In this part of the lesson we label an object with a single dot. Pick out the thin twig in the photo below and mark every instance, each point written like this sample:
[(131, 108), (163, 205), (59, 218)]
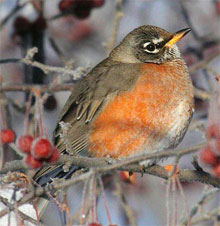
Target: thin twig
[(12, 12), (28, 60), (42, 88), (202, 94), (23, 216), (205, 197), (211, 215), (117, 17), (203, 63), (127, 209)]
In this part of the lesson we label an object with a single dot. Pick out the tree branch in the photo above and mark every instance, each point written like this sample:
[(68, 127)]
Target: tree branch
[(28, 60), (131, 165), (43, 88), (203, 63), (100, 166)]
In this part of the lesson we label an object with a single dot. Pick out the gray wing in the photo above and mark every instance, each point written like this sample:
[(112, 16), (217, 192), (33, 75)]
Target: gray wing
[(98, 87), (89, 95)]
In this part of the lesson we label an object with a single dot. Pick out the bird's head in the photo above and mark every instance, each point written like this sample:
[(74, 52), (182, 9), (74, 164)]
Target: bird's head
[(148, 44)]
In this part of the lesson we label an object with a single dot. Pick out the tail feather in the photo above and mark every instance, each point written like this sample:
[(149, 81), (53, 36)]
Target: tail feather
[(58, 172), (46, 178), (41, 206)]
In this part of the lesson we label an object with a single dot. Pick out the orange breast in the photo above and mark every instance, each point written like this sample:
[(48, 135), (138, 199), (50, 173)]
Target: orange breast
[(138, 119)]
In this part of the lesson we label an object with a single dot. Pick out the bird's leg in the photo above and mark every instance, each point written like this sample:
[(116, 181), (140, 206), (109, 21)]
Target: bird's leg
[(146, 164)]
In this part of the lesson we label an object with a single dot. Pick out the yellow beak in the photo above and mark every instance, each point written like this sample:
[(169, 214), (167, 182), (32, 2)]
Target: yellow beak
[(177, 36)]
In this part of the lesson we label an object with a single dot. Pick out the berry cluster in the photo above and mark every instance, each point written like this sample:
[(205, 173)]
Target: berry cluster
[(37, 150), (79, 8), (210, 155)]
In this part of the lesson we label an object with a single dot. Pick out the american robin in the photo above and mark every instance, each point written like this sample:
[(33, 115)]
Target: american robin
[(138, 100)]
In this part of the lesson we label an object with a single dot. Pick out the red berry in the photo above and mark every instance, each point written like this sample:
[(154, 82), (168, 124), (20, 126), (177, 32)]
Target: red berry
[(213, 131), (82, 13), (21, 25), (98, 3), (65, 5), (32, 162), (208, 157), (24, 143), (41, 148), (82, 8), (55, 156), (94, 224), (7, 136), (83, 4), (51, 103), (39, 24), (216, 170)]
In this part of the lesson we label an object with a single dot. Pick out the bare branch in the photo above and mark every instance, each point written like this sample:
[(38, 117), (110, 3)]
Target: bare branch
[(43, 88), (12, 12), (101, 166), (119, 193), (23, 216), (117, 17), (203, 63), (28, 60), (205, 197), (202, 94)]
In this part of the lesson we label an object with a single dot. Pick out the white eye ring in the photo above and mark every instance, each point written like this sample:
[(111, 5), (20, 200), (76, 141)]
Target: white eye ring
[(148, 51)]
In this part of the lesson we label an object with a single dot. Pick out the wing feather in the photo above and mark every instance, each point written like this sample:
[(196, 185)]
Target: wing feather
[(85, 102)]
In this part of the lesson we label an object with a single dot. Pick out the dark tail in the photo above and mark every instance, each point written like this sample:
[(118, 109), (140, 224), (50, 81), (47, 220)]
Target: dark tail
[(56, 173)]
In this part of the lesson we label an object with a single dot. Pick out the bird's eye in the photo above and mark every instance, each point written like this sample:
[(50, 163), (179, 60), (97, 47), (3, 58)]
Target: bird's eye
[(151, 47)]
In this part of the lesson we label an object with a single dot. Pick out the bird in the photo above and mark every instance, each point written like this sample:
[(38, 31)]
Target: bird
[(138, 100)]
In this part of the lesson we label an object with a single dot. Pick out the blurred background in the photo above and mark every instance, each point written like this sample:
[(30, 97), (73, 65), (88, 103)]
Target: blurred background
[(82, 40)]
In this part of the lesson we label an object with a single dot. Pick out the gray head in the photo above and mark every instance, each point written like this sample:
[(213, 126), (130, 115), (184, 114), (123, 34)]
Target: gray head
[(148, 44)]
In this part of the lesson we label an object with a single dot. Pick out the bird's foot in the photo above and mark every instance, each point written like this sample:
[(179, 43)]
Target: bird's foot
[(146, 164)]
